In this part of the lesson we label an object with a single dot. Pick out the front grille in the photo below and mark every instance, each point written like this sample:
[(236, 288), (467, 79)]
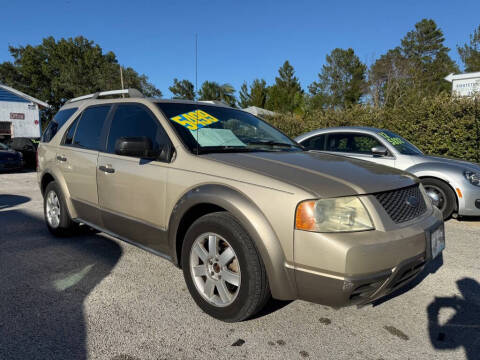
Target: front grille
[(400, 204)]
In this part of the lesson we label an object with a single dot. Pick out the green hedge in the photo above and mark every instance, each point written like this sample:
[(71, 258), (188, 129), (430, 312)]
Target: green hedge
[(440, 125)]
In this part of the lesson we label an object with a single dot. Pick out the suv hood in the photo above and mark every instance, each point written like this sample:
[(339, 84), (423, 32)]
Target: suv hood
[(323, 175)]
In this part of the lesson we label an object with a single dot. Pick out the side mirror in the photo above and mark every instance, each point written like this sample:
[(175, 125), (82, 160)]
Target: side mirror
[(135, 146), (142, 147), (379, 151), (166, 153)]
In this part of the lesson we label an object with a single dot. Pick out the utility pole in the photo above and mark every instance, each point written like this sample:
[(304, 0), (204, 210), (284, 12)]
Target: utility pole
[(476, 119), (121, 78)]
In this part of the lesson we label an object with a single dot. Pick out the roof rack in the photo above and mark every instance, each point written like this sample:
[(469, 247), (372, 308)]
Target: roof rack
[(129, 92)]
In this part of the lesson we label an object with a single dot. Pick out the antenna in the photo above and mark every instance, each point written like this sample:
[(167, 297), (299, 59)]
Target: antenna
[(196, 81), (196, 62)]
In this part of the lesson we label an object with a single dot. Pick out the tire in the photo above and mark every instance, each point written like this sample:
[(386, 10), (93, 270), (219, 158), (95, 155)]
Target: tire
[(447, 199), (252, 292), (59, 225)]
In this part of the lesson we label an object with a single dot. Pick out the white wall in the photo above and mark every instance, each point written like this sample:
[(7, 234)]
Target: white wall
[(21, 128)]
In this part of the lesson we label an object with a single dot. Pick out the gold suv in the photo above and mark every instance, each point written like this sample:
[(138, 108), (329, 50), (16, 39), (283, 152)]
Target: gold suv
[(244, 210)]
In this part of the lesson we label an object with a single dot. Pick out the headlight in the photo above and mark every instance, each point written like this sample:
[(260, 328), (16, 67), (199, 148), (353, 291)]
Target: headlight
[(333, 215), (473, 177)]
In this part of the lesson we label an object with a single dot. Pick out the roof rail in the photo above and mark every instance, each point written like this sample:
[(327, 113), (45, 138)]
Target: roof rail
[(129, 92)]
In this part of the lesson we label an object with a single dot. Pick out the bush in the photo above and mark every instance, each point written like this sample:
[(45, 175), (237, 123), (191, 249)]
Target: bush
[(440, 125)]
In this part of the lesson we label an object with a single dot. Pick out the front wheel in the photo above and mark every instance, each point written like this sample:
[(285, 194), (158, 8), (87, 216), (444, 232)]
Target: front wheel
[(222, 268), (442, 196)]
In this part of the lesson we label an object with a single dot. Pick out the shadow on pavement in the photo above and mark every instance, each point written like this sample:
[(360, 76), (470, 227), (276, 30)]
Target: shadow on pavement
[(431, 268), (43, 284), (270, 307), (463, 327), (468, 219), (8, 200)]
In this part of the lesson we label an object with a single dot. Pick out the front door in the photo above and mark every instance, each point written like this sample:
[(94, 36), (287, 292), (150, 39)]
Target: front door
[(358, 146), (131, 189)]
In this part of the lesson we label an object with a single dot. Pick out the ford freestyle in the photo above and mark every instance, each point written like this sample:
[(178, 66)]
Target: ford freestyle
[(242, 209)]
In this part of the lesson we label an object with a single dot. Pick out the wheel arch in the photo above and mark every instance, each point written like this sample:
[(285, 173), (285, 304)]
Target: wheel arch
[(49, 176), (211, 198), (446, 182)]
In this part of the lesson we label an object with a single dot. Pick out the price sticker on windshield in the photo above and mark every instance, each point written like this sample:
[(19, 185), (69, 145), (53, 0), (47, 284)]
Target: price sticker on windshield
[(195, 119), (392, 140)]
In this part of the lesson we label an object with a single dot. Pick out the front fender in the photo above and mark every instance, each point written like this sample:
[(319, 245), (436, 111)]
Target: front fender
[(445, 172), (281, 280)]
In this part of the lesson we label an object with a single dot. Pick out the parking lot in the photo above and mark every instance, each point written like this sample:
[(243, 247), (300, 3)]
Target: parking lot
[(96, 297)]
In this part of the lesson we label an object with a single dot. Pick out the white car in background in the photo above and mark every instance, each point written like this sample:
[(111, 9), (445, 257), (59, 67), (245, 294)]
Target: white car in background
[(453, 185)]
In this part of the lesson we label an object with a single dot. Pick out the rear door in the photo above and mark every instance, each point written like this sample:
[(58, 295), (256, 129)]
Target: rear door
[(77, 157), (131, 189)]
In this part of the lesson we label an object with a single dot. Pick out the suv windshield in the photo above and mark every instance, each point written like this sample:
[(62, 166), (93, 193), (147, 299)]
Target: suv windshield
[(402, 145), (223, 129)]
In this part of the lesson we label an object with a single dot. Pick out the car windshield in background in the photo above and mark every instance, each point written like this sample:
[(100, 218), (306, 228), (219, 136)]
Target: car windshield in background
[(402, 145), (223, 129), (3, 146)]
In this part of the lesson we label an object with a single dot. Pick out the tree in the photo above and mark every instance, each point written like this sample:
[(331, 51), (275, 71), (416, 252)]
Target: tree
[(56, 71), (342, 80), (388, 78), (286, 95), (244, 96), (256, 96), (428, 57), (211, 90), (183, 89), (413, 70), (258, 93), (470, 53)]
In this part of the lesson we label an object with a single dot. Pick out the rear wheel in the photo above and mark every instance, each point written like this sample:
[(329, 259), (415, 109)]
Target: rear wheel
[(222, 268), (441, 194), (56, 213)]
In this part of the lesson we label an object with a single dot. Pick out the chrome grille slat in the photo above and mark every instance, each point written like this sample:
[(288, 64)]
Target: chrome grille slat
[(395, 203)]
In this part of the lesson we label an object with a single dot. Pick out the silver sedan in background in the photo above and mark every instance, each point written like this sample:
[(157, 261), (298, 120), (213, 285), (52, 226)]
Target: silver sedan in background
[(453, 185)]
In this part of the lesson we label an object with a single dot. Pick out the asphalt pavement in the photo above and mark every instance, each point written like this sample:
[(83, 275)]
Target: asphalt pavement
[(95, 297)]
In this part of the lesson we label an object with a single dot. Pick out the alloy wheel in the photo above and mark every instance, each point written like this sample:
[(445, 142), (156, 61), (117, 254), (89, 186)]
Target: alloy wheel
[(215, 269), (53, 209)]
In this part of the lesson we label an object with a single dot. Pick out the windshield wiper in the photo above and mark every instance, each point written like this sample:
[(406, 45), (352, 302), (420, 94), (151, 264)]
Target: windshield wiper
[(274, 143), (214, 149)]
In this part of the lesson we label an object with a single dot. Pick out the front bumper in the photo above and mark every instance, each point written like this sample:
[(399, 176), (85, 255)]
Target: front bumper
[(358, 268), (469, 203)]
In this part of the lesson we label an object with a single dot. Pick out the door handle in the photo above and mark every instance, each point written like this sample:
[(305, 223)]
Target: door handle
[(61, 158), (106, 169)]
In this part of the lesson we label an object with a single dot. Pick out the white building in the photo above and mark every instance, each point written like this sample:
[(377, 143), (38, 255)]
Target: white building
[(19, 114), (465, 84), (259, 111)]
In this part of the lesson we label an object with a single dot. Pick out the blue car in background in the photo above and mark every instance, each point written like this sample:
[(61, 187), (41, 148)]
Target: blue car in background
[(10, 159)]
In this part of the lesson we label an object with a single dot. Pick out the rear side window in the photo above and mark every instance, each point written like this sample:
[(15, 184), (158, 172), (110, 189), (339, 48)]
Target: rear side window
[(90, 126), (132, 120), (57, 122)]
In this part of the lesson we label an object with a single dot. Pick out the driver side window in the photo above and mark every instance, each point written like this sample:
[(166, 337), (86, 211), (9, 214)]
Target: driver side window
[(134, 120), (352, 143)]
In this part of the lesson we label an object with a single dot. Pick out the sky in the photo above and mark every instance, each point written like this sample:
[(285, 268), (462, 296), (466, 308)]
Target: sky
[(237, 40)]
